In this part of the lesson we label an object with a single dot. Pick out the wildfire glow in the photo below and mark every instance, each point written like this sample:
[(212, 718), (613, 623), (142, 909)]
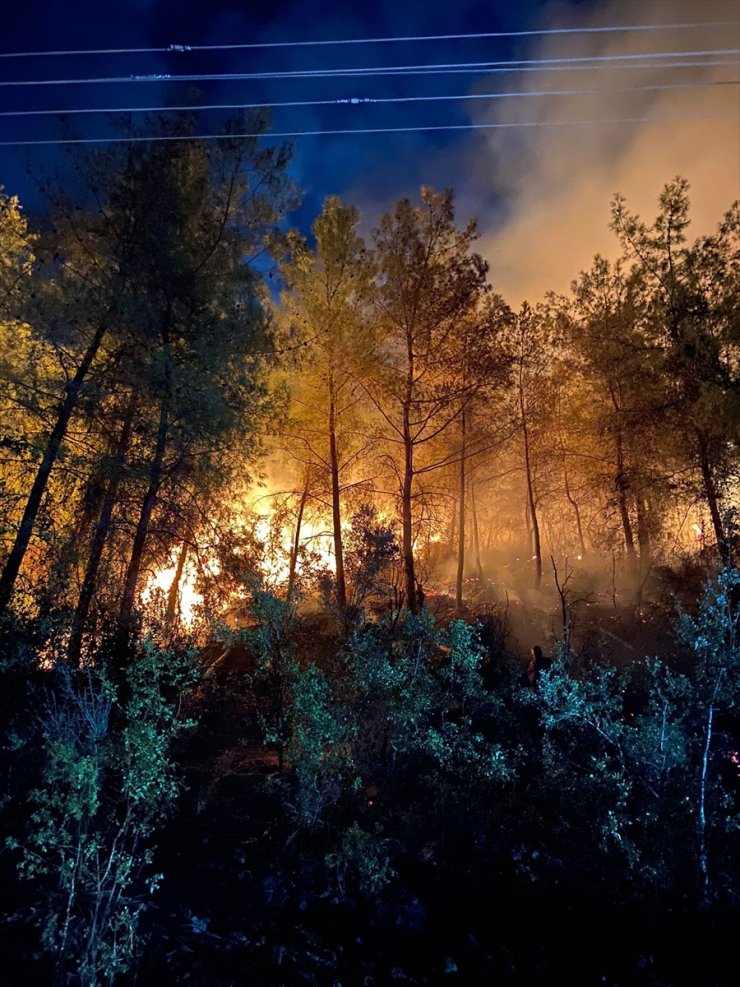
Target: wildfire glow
[(315, 542), (188, 598), (313, 537)]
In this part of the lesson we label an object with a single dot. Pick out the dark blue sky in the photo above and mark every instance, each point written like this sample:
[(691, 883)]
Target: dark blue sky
[(500, 176), (323, 164)]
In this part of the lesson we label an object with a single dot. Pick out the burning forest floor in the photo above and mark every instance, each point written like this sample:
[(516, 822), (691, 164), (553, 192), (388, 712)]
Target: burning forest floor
[(611, 618)]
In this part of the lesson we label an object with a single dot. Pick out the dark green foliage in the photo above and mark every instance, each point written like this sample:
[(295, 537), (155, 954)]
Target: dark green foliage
[(404, 700), (636, 766), (107, 781), (371, 550), (613, 776), (273, 639), (400, 770)]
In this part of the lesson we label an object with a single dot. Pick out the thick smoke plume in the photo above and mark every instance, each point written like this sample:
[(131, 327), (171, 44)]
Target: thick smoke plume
[(556, 183)]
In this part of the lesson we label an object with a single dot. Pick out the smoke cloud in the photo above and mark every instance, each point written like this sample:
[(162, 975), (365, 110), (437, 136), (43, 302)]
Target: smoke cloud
[(542, 194)]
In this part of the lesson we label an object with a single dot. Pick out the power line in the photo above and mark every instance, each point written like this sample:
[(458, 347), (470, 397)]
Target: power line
[(365, 130), (182, 48), (704, 63), (370, 71), (368, 100)]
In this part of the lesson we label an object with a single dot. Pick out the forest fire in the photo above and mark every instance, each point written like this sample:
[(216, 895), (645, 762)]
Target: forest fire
[(699, 533), (342, 589), (274, 538)]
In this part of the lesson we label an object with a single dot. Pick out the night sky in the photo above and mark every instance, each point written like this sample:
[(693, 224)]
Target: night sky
[(541, 193)]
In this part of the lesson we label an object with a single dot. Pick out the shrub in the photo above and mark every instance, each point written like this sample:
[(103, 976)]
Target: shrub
[(108, 780), (402, 699)]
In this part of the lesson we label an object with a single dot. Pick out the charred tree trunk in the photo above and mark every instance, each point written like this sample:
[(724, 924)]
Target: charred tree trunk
[(173, 594), (100, 536), (336, 506), (297, 540), (461, 517), (712, 499), (156, 470), (31, 510)]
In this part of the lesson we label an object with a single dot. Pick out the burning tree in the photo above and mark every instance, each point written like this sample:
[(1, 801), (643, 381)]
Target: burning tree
[(326, 308), (428, 280)]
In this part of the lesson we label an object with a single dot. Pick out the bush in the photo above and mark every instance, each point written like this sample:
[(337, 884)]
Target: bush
[(108, 780), (402, 699), (633, 762)]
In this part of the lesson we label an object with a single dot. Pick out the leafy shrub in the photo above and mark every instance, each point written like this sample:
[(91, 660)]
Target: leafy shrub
[(273, 639), (633, 762), (108, 780), (363, 857), (402, 698)]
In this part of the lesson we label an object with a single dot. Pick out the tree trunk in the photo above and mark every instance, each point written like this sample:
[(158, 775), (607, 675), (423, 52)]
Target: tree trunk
[(147, 506), (702, 807), (621, 486), (65, 568), (564, 605), (297, 540), (406, 516), (643, 530), (336, 507), (577, 513), (476, 534), (452, 535), (30, 513), (155, 479), (174, 591), (461, 518), (100, 536), (530, 489), (710, 495), (535, 532)]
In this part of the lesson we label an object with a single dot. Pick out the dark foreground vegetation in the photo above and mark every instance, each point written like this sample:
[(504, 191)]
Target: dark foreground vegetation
[(392, 800), (272, 568)]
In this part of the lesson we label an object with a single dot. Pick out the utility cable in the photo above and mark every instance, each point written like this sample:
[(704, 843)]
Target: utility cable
[(510, 65), (364, 130), (481, 35), (365, 100)]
